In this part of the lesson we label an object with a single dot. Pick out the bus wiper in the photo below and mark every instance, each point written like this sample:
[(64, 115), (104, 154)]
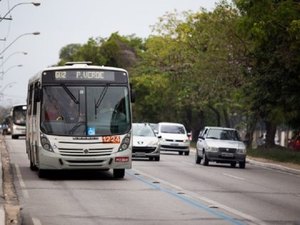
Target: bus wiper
[(70, 93), (100, 99), (77, 125)]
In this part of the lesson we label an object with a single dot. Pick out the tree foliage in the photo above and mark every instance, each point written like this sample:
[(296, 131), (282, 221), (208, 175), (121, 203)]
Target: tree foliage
[(231, 66)]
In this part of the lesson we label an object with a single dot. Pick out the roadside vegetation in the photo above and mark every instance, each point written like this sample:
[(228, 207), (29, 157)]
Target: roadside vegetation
[(276, 153)]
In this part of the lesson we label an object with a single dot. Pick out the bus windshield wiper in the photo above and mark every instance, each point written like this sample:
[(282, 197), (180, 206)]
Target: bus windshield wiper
[(77, 125), (70, 93), (103, 93)]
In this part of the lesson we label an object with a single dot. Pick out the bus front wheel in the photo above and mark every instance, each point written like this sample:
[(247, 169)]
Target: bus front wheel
[(119, 173)]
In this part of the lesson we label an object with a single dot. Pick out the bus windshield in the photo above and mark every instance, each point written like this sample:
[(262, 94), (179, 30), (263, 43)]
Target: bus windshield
[(85, 110), (19, 115)]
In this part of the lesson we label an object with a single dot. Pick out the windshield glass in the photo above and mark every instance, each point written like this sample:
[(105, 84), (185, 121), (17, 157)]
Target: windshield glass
[(223, 134), (85, 111), (142, 130), (19, 115), (172, 129)]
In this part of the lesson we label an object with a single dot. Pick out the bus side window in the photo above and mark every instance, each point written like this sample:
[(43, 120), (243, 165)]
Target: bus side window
[(36, 97), (29, 99)]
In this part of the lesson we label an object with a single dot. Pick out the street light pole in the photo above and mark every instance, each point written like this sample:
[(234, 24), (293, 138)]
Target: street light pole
[(6, 58), (34, 33), (22, 3), (3, 73), (6, 86)]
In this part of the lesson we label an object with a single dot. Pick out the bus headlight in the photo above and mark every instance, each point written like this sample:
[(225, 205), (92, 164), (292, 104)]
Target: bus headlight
[(125, 143), (46, 144)]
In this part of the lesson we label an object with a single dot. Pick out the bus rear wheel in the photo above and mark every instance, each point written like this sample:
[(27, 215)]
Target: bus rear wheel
[(119, 173)]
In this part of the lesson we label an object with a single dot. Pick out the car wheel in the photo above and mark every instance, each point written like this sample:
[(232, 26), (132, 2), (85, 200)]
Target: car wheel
[(197, 158), (242, 164), (180, 153), (187, 153), (157, 158), (205, 160), (32, 165), (233, 164), (42, 173), (119, 173)]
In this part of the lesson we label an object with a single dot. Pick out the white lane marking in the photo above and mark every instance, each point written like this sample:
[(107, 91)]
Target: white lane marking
[(2, 215), (251, 219), (21, 181), (232, 176), (36, 221)]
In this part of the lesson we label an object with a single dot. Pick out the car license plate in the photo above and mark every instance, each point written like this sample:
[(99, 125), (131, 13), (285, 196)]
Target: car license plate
[(174, 144), (140, 154), (226, 154)]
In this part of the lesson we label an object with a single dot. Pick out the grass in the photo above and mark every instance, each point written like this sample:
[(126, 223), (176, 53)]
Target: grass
[(277, 153)]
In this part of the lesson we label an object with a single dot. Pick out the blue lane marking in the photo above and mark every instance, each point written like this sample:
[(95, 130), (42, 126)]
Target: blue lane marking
[(188, 200)]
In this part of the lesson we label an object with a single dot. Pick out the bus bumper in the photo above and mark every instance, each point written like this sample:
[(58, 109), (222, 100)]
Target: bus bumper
[(53, 161)]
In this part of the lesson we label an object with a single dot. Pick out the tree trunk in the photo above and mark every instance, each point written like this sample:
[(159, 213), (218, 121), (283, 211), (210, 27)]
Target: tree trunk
[(270, 133), (217, 115), (226, 118)]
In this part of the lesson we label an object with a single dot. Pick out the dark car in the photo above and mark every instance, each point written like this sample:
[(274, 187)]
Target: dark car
[(294, 143)]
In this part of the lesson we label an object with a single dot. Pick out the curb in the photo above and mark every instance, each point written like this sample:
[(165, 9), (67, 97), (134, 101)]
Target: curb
[(2, 201), (274, 166), (9, 206)]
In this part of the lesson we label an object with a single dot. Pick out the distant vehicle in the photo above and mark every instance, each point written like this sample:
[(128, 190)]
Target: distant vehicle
[(173, 137), (18, 121), (5, 128), (145, 142), (221, 145), (294, 143)]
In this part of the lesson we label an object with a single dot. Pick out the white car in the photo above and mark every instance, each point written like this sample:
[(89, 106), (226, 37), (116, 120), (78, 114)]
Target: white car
[(145, 142), (173, 137), (221, 145)]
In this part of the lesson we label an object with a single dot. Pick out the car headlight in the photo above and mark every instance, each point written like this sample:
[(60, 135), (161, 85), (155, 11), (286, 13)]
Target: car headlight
[(153, 143), (212, 149), (241, 151)]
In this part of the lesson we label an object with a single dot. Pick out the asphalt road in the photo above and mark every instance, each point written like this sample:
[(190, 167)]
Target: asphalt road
[(172, 191)]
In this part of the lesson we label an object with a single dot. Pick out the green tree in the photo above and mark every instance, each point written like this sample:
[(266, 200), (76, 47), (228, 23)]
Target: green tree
[(273, 29)]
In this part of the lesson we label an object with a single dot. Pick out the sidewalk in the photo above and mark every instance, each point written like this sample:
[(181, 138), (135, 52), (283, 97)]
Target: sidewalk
[(2, 200)]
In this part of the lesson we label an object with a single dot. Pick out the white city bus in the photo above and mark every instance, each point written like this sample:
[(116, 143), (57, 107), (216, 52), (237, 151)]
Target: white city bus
[(79, 117), (18, 121)]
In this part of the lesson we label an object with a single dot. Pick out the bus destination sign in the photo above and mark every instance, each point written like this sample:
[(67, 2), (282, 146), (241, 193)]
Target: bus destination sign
[(84, 75)]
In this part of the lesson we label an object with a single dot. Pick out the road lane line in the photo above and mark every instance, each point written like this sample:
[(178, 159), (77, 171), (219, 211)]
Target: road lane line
[(232, 176), (21, 181), (179, 189), (189, 201), (36, 221)]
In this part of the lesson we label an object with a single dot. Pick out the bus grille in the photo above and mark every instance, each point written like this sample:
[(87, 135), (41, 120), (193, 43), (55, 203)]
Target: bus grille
[(85, 152)]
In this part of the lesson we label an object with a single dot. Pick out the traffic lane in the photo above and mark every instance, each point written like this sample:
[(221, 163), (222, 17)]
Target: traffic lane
[(255, 191), (96, 198)]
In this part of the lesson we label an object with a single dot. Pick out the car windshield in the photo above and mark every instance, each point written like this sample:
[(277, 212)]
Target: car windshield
[(221, 134), (172, 129), (85, 111), (142, 130)]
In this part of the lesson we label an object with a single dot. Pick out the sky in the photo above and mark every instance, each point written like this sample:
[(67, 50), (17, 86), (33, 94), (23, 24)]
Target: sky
[(63, 22)]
